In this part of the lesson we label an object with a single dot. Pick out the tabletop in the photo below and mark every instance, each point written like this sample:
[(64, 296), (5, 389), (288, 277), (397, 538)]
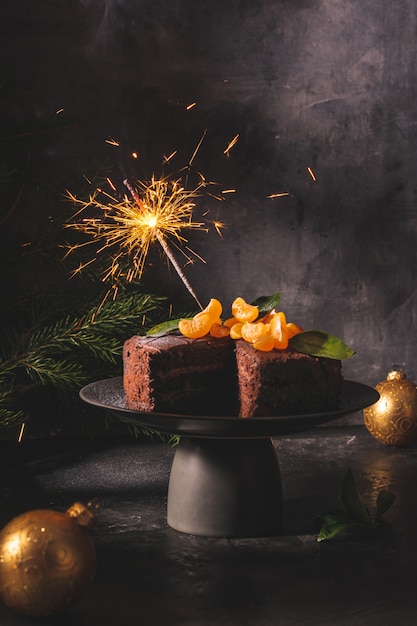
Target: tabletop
[(148, 573)]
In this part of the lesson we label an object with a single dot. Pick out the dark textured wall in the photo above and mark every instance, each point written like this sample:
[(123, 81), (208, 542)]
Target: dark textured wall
[(328, 85)]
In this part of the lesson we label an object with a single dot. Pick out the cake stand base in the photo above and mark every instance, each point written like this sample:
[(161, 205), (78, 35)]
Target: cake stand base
[(225, 488)]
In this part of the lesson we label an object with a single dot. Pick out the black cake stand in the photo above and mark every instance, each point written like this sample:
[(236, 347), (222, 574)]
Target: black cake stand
[(225, 478)]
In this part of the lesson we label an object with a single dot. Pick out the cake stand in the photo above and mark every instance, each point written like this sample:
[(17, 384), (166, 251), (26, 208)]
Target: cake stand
[(225, 477)]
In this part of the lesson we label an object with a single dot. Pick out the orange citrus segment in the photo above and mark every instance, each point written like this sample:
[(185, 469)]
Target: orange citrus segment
[(243, 311), (236, 331), (219, 330), (213, 309), (196, 327), (279, 330), (293, 329), (251, 332), (266, 333), (265, 343)]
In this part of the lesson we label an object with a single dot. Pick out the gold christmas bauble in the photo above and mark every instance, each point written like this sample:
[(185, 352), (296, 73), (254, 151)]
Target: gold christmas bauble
[(47, 560), (393, 419)]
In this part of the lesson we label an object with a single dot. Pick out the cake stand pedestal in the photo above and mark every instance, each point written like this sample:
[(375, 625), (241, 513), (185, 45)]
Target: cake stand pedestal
[(225, 478), (225, 488)]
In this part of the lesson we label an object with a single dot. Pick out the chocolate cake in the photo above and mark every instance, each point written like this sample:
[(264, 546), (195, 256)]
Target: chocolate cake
[(285, 382), (220, 376), (175, 374)]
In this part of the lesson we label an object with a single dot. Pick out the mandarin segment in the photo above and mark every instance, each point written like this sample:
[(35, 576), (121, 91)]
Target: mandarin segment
[(279, 330), (236, 331), (265, 343), (231, 321), (251, 332), (243, 311), (219, 330), (213, 309), (196, 327), (266, 333), (293, 329)]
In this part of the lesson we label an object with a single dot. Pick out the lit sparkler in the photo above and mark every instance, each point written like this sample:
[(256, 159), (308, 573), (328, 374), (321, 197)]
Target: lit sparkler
[(157, 213), (156, 224)]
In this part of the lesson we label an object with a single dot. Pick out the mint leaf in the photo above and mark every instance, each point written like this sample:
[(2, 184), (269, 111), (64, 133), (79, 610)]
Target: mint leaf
[(331, 529), (355, 508), (383, 503), (322, 344), (356, 513), (265, 304), (164, 328), (332, 524)]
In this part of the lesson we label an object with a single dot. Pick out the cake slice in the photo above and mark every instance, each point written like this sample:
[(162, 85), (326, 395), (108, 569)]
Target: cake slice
[(285, 382), (176, 374)]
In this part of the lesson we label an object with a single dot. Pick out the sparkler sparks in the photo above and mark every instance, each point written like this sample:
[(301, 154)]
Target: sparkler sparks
[(231, 144), (158, 213), (280, 194), (112, 142), (167, 159), (310, 171)]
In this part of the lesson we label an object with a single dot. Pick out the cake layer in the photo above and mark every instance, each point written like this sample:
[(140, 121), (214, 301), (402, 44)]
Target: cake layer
[(174, 374), (285, 382)]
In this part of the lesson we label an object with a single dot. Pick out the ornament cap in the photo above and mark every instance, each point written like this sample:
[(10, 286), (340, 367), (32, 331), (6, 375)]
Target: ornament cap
[(396, 374), (82, 515)]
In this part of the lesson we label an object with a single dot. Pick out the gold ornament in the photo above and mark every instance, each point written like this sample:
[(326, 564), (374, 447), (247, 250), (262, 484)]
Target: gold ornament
[(393, 419), (47, 560)]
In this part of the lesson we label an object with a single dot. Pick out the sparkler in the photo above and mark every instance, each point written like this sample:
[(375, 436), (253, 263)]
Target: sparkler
[(158, 212), (154, 224)]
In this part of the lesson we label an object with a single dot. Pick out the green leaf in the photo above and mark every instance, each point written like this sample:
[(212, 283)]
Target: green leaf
[(383, 503), (267, 303), (163, 328), (333, 523), (332, 528), (355, 508), (320, 343)]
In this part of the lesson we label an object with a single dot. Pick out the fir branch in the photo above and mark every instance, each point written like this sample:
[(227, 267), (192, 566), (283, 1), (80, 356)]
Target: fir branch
[(63, 353), (10, 417), (46, 370), (100, 332)]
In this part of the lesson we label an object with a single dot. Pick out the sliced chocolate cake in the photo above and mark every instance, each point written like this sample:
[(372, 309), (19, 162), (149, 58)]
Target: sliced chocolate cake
[(175, 374), (285, 382)]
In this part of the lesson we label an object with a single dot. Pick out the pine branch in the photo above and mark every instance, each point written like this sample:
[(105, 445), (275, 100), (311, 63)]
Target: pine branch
[(100, 331), (9, 417), (60, 373), (63, 353)]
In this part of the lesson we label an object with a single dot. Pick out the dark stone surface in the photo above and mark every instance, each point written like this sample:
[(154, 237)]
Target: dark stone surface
[(149, 573)]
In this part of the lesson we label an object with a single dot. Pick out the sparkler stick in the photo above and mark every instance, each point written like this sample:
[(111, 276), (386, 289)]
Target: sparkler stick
[(164, 245)]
